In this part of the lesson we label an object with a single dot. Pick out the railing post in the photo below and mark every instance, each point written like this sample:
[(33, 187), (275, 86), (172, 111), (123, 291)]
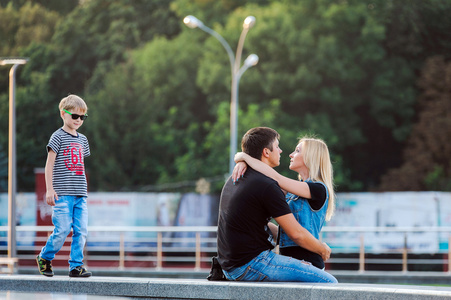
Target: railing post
[(362, 254), (159, 250), (449, 255), (85, 254), (404, 254), (122, 252), (197, 265)]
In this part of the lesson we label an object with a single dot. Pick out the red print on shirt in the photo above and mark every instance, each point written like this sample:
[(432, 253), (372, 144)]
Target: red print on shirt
[(73, 158)]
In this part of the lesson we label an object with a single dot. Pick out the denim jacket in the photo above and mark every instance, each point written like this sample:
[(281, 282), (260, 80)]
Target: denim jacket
[(312, 220)]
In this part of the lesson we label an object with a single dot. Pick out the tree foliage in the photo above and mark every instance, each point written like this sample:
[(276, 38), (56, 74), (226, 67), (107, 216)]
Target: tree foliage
[(139, 128), (328, 65), (159, 93), (427, 156)]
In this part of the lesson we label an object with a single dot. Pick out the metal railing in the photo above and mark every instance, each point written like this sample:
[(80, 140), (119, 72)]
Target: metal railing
[(404, 251), (161, 248)]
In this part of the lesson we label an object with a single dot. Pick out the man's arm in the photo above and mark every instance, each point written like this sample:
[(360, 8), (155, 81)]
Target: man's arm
[(302, 236)]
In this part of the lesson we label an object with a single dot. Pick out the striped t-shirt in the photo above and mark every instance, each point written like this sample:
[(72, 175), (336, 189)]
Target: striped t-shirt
[(69, 177)]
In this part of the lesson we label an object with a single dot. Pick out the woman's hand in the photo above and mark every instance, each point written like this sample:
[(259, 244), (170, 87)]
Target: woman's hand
[(240, 156), (326, 254), (238, 171)]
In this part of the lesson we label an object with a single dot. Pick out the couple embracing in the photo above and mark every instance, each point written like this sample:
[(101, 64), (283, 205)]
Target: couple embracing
[(253, 197)]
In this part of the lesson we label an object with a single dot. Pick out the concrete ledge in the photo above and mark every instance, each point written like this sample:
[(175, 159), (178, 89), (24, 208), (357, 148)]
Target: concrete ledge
[(158, 288), (377, 277)]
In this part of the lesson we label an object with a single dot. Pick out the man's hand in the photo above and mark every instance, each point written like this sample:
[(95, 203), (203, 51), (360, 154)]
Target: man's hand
[(302, 236), (50, 197)]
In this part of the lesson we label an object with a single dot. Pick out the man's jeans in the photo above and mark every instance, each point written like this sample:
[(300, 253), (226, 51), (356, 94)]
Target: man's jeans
[(69, 212), (268, 266)]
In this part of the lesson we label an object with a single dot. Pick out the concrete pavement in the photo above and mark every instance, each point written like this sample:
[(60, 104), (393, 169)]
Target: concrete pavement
[(174, 288)]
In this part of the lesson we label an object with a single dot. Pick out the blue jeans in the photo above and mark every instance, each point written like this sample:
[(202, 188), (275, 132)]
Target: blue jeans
[(70, 212), (268, 266)]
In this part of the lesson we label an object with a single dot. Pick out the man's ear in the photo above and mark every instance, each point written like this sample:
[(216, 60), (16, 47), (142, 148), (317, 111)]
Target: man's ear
[(265, 152)]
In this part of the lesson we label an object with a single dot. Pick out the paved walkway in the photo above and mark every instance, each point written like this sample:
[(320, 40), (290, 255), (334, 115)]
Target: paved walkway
[(171, 288)]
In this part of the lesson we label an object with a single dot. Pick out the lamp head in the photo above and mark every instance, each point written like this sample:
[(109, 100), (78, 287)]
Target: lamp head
[(192, 22), (12, 61), (251, 60), (249, 22)]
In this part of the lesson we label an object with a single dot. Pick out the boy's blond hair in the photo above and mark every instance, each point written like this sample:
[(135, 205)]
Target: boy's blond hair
[(73, 102)]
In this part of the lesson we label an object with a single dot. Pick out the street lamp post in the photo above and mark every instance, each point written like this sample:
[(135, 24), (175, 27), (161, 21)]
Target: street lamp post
[(12, 174), (237, 72)]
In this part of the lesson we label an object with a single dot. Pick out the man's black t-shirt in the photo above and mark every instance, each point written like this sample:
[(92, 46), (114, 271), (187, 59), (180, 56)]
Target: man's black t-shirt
[(244, 211)]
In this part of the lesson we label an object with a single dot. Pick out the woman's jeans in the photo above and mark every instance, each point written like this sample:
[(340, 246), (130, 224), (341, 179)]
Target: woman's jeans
[(69, 212), (268, 266)]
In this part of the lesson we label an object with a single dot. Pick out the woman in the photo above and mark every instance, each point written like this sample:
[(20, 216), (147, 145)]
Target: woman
[(311, 199)]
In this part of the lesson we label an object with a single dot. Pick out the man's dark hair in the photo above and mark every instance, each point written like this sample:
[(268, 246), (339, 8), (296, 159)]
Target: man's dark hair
[(258, 138)]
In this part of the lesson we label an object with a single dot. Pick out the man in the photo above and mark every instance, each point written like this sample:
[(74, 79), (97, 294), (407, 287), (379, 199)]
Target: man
[(246, 207)]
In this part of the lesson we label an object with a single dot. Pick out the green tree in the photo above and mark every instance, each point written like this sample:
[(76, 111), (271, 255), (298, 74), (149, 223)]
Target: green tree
[(94, 37), (139, 120), (165, 133), (61, 7), (30, 29), (66, 57), (427, 156), (8, 28), (327, 64), (159, 95), (211, 11), (345, 70), (32, 23)]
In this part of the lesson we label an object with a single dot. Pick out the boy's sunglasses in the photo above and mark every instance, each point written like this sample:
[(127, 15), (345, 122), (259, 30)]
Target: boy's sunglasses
[(75, 116)]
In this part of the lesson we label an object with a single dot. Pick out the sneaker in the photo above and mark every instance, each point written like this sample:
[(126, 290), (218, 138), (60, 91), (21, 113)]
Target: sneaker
[(79, 272), (45, 266)]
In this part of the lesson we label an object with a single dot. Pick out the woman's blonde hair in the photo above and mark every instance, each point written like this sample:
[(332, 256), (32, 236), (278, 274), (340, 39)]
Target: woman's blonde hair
[(317, 159)]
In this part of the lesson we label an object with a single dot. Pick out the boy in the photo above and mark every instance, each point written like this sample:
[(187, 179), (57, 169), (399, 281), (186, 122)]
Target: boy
[(67, 188)]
